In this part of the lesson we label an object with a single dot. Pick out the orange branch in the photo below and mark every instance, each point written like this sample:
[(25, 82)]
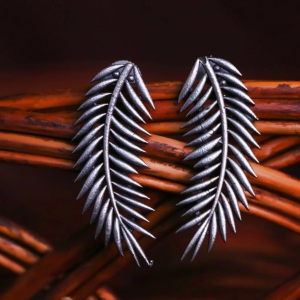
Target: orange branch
[(284, 160)]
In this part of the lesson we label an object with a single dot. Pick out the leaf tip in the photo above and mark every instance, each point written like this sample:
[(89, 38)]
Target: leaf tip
[(78, 177), (182, 109), (183, 126), (189, 113), (181, 96), (88, 93)]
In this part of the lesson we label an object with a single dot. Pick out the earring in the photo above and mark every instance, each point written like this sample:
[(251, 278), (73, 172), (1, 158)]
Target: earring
[(108, 141), (220, 148)]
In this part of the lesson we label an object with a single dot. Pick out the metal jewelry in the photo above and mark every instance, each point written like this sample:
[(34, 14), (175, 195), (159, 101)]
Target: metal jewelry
[(108, 141), (221, 126)]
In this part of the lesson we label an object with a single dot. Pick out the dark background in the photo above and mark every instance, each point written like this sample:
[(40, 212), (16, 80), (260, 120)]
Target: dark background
[(53, 44), (48, 45)]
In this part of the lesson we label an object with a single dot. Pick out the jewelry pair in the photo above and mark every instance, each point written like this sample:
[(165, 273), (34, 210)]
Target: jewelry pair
[(110, 139)]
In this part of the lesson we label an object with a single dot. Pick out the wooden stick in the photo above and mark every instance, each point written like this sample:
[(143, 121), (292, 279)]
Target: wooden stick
[(41, 101), (42, 161), (277, 127), (169, 110), (158, 168), (284, 160), (273, 146), (35, 160), (274, 202), (172, 150), (17, 251), (161, 147), (166, 170), (158, 91), (104, 293), (71, 113), (36, 145), (264, 127), (36, 123), (276, 109), (91, 297), (267, 177), (166, 148), (18, 233), (273, 89), (262, 197), (158, 146), (173, 187), (272, 217), (290, 290), (175, 151), (53, 126), (275, 180), (11, 265), (158, 183), (262, 138)]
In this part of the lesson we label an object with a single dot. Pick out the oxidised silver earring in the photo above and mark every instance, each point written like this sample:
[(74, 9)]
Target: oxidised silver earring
[(218, 185), (107, 141)]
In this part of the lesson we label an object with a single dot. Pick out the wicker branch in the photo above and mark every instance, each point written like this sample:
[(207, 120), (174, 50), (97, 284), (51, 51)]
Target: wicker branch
[(158, 91), (274, 146), (169, 110), (11, 265), (15, 232), (284, 160), (289, 290)]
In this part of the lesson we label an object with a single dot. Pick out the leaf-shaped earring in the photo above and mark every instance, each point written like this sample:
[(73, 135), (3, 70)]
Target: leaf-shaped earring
[(108, 139), (222, 125)]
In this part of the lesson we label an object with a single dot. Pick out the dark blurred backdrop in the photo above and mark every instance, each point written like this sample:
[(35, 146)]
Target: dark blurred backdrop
[(74, 39)]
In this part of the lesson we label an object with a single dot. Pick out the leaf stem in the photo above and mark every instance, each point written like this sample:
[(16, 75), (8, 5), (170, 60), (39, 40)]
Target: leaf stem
[(107, 128), (214, 81)]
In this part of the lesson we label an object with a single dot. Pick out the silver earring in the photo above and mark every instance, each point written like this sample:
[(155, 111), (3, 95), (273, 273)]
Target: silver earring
[(108, 141), (218, 185)]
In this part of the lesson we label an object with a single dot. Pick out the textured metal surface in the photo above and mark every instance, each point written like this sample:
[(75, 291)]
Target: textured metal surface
[(220, 181), (108, 143)]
